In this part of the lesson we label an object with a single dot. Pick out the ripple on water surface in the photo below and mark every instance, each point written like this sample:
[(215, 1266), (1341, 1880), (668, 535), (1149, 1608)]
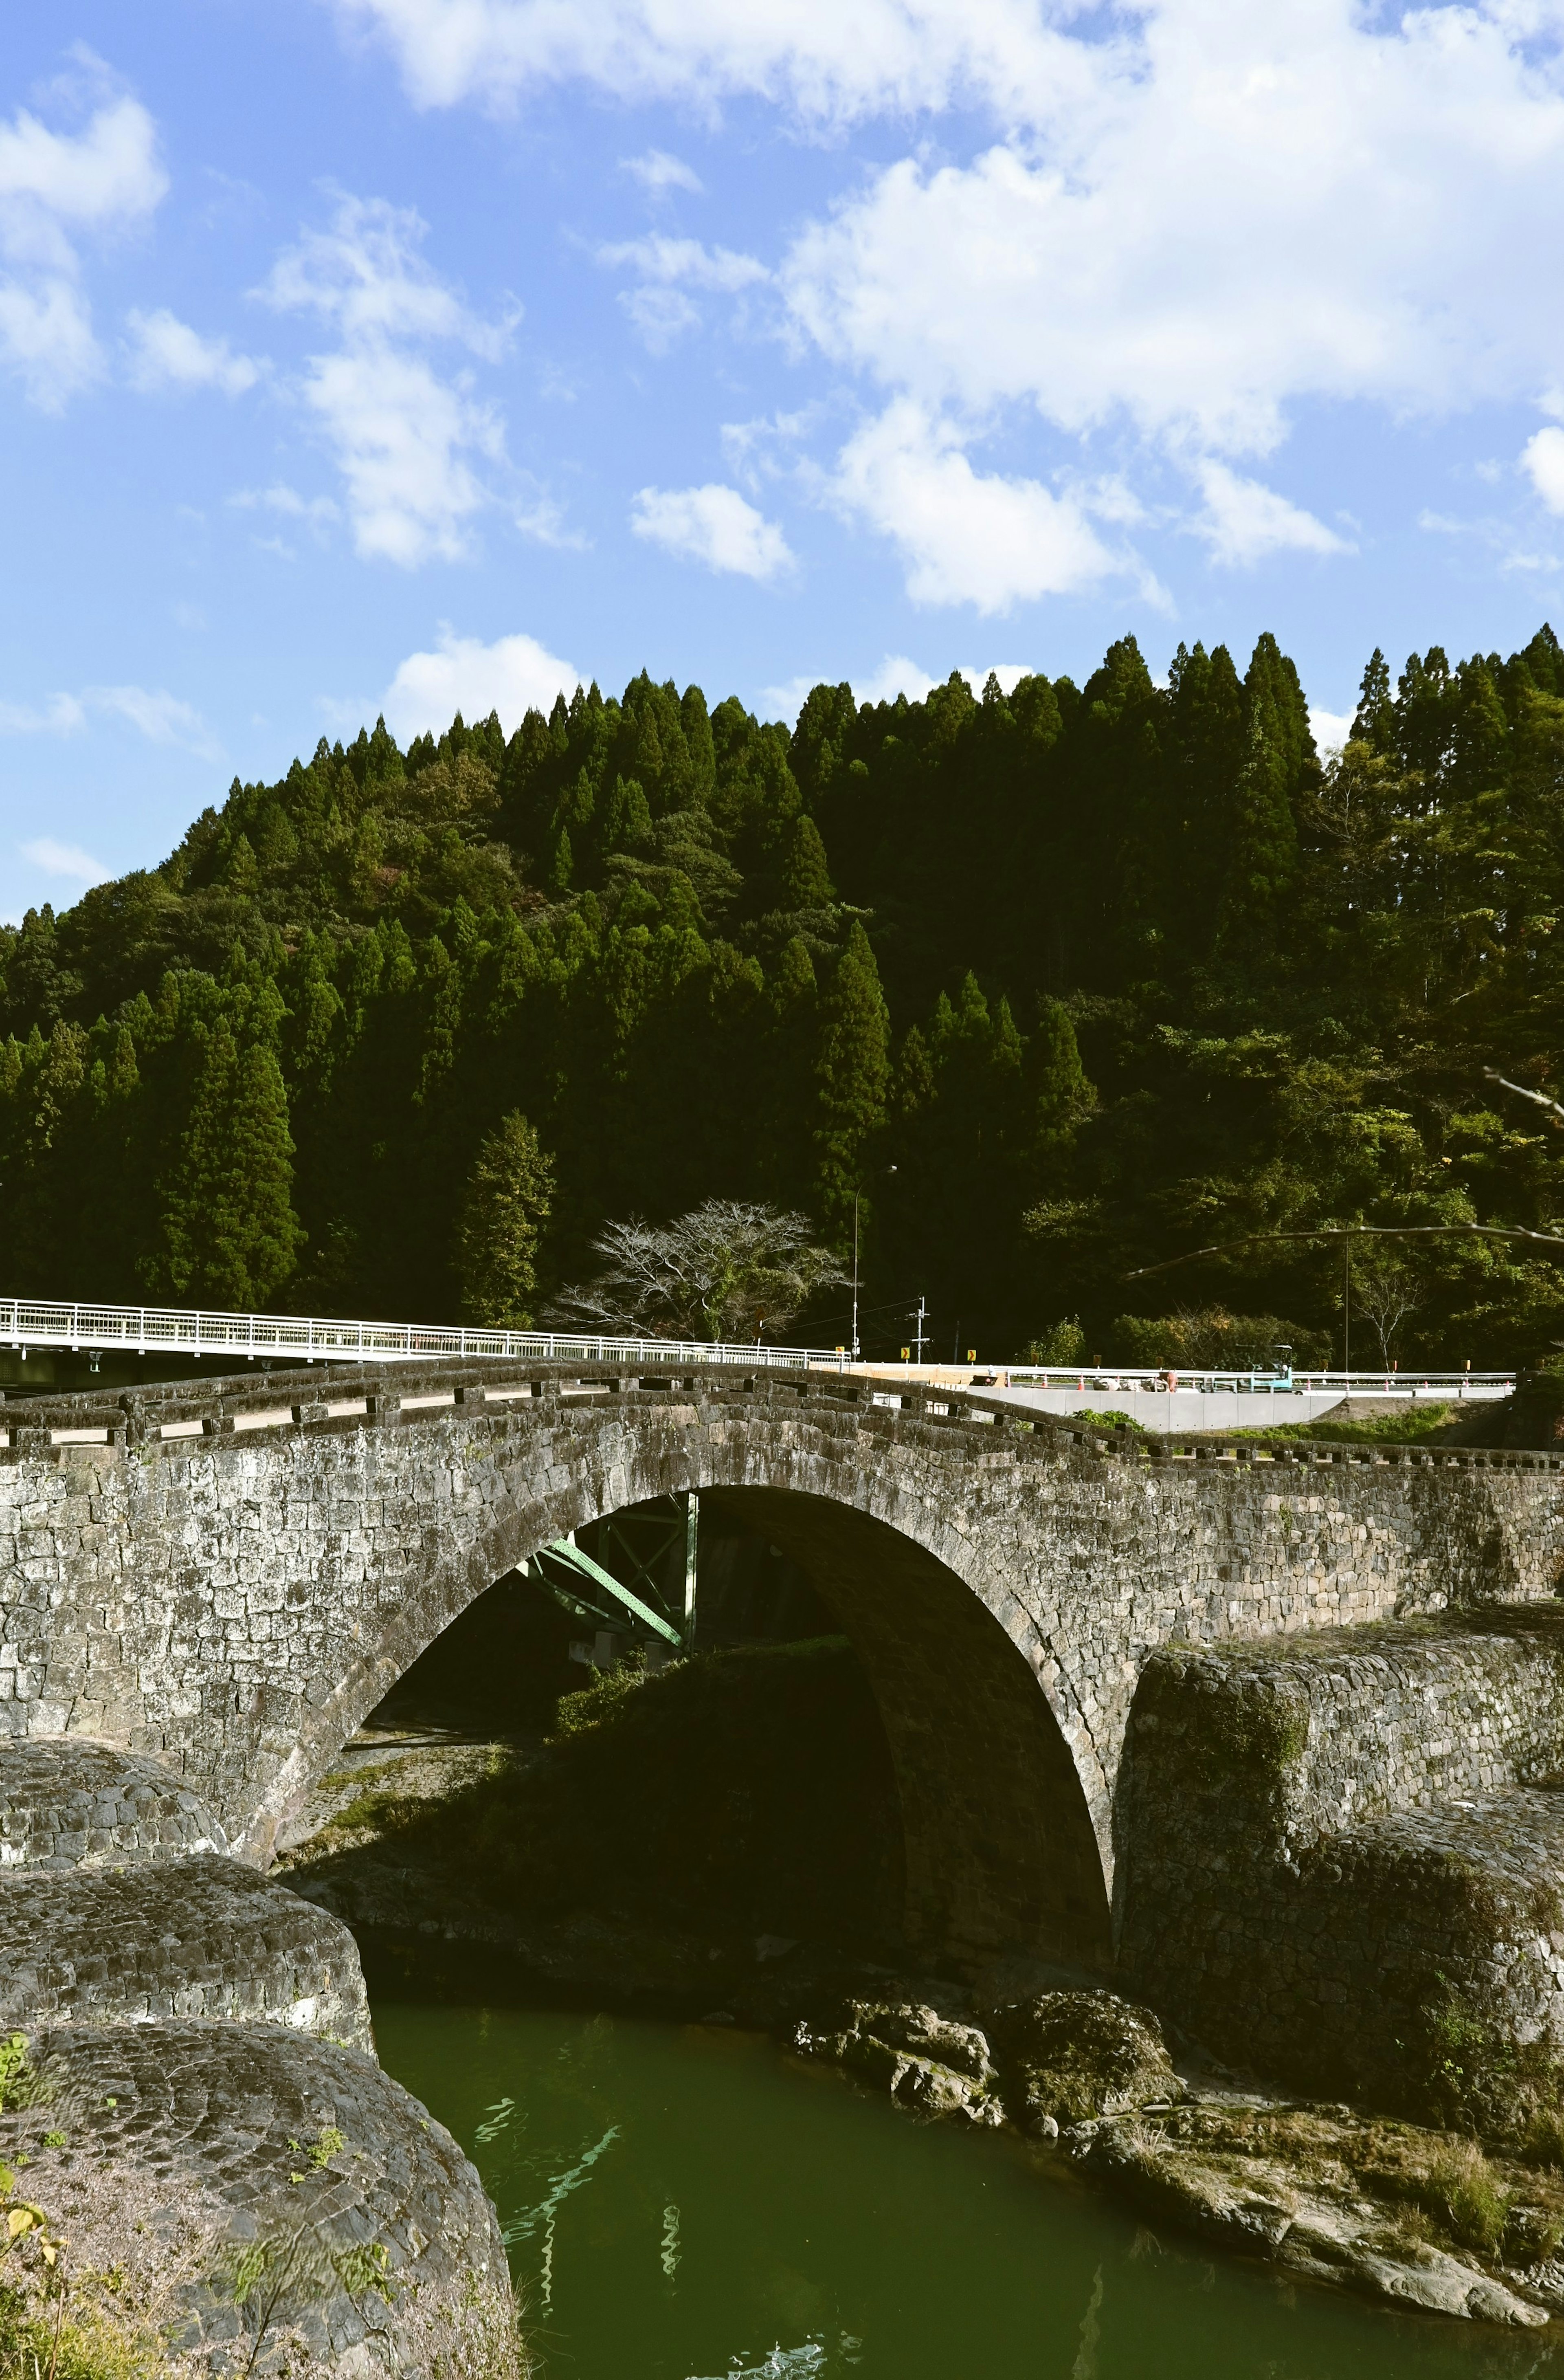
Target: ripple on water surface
[(685, 2203)]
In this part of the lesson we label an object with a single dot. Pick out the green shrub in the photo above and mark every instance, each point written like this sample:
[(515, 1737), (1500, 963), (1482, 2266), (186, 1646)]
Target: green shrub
[(1460, 2190), (1212, 1339)]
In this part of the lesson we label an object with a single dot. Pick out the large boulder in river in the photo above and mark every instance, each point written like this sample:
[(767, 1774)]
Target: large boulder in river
[(924, 2059), (248, 2199), (1068, 2057)]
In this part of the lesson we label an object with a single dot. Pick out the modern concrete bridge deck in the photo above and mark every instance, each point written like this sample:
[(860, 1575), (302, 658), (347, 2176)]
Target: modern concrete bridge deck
[(228, 1576)]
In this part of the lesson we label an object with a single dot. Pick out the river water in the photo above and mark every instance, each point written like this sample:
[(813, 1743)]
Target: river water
[(688, 2202)]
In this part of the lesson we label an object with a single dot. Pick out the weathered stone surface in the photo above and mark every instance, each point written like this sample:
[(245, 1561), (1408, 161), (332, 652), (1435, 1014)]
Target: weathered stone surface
[(1309, 1889), (1313, 2214), (924, 2060), (234, 1603), (204, 1936), (1067, 2056), (75, 1804), (236, 2175)]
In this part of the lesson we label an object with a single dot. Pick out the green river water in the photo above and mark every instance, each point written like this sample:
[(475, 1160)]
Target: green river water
[(688, 2202)]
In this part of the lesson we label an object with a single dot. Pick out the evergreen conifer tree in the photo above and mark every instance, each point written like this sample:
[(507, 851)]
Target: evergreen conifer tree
[(805, 877), (852, 1073), (508, 1199), (230, 1236)]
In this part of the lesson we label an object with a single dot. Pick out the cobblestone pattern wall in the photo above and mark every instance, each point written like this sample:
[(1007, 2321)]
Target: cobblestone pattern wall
[(82, 1804), (1361, 1722), (168, 2152), (233, 1604), (204, 1936), (1340, 1860)]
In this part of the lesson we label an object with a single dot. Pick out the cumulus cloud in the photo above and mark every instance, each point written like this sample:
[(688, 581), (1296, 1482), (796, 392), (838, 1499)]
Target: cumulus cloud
[(67, 859), (895, 674), (513, 676), (1330, 729), (658, 173), (1175, 223), (55, 187), (830, 61), (714, 525), (965, 537), (166, 353), (1543, 459), (1243, 521), (408, 440)]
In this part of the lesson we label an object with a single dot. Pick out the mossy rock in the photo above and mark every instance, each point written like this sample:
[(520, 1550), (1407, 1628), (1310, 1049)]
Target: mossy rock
[(1068, 2057)]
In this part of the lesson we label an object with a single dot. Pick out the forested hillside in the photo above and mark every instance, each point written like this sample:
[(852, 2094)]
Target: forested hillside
[(1105, 973)]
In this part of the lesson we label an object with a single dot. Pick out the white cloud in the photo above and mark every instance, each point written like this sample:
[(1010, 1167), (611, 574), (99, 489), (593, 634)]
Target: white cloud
[(714, 525), (659, 308), (896, 675), (65, 859), (658, 173), (657, 257), (660, 315), (512, 676), (406, 440), (166, 353), (1185, 220), (159, 716), (966, 537), (280, 498), (55, 186), (1543, 459), (1330, 729), (60, 714), (1243, 521), (832, 59)]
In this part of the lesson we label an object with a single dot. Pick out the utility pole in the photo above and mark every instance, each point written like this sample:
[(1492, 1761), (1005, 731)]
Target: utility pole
[(858, 1194), (919, 1334), (1347, 1304)]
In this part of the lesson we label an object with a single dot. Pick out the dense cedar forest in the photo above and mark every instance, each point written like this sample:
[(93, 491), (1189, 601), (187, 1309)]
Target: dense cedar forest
[(1105, 972)]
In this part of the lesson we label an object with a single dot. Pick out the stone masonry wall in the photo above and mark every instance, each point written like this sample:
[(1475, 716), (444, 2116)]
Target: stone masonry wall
[(1341, 1860), (232, 1602)]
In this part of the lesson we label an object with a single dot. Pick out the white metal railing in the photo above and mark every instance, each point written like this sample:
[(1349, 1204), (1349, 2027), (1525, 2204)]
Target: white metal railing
[(156, 1329), (159, 1329), (1077, 1378)]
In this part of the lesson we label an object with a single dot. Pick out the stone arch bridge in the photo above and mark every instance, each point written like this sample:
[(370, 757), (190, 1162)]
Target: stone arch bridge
[(230, 1576)]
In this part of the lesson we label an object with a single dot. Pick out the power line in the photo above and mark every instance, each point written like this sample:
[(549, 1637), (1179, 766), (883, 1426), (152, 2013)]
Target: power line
[(1356, 1232)]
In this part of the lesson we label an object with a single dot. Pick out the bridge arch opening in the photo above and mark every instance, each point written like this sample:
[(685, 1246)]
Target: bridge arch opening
[(998, 1858)]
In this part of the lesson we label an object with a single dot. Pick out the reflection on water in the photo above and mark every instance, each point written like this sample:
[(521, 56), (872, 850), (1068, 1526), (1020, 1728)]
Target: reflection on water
[(687, 2203)]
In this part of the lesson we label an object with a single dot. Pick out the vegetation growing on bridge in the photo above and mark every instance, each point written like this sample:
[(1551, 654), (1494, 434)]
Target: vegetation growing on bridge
[(1106, 972)]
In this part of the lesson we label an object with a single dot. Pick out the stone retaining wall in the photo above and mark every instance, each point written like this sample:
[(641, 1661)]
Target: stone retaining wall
[(85, 1804), (203, 1937), (1341, 1862)]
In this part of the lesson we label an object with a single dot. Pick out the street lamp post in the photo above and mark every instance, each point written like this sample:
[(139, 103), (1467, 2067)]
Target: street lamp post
[(858, 1194)]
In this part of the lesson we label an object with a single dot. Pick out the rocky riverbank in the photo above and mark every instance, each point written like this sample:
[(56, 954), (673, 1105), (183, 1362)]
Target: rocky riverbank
[(1410, 2213), (204, 2169)]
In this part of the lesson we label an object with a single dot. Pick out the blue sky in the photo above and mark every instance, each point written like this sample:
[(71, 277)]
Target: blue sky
[(402, 353)]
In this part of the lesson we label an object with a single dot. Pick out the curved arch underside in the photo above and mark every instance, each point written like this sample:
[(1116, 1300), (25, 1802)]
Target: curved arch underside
[(999, 1852)]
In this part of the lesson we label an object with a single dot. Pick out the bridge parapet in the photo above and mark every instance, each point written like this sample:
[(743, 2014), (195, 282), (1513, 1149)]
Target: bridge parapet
[(380, 1395)]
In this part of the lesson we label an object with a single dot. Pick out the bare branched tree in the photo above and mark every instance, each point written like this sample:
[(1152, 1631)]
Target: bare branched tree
[(727, 1270), (1386, 1293)]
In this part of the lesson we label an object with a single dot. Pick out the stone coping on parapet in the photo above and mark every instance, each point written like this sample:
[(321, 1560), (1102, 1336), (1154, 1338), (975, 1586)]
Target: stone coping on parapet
[(350, 1396)]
